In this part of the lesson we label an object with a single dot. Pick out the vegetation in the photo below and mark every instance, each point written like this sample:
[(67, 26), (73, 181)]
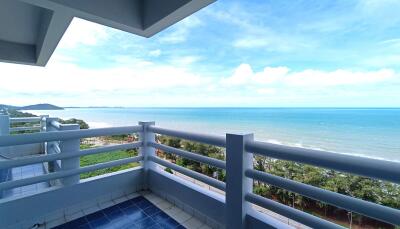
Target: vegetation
[(375, 191), (18, 114), (82, 124), (105, 157), (203, 149), (119, 137)]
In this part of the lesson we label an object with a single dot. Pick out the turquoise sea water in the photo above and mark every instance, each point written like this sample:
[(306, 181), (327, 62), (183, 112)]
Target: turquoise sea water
[(364, 132)]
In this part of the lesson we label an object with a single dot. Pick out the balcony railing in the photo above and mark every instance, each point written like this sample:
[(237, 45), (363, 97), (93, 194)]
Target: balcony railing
[(232, 210)]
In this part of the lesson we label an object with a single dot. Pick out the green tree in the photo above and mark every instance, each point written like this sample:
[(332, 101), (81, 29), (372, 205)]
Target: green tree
[(82, 124)]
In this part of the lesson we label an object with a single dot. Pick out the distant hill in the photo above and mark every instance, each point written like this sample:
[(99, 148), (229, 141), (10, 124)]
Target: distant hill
[(4, 106), (42, 106)]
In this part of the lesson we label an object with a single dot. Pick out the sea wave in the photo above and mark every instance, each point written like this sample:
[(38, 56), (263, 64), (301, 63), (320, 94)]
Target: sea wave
[(278, 142), (301, 145)]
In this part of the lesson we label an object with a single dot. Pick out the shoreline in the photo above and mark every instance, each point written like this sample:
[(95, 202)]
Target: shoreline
[(367, 143), (272, 141)]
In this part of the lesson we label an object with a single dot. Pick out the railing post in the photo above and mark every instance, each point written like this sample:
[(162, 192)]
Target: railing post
[(4, 130), (70, 163), (4, 125), (43, 124), (147, 136), (237, 184), (47, 145)]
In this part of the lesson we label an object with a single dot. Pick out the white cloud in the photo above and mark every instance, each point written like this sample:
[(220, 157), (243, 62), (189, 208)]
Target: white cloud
[(391, 43), (85, 33), (270, 41), (244, 74), (249, 33), (310, 78), (184, 60), (283, 76), (381, 61), (180, 31), (135, 82), (155, 53), (62, 77), (266, 91), (251, 42)]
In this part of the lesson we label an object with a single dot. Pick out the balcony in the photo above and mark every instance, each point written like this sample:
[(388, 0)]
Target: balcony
[(147, 196)]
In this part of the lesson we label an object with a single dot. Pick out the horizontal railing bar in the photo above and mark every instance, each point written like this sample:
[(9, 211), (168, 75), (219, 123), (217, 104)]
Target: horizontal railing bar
[(59, 156), (193, 156), (198, 176), (366, 208), (373, 168), (10, 140), (65, 173), (55, 124), (291, 213), (28, 119), (24, 128), (197, 137)]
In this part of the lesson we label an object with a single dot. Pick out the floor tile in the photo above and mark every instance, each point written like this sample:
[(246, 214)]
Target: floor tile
[(169, 223), (160, 216), (125, 204), (143, 204), (99, 222), (145, 223), (136, 213), (95, 215), (22, 172), (151, 210)]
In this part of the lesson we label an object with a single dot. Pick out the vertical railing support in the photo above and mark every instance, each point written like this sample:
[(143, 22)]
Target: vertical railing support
[(4, 130), (147, 136), (43, 124), (48, 145), (67, 147), (4, 125), (237, 184)]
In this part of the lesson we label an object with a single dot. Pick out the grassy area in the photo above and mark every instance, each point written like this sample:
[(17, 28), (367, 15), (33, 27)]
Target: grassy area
[(104, 157)]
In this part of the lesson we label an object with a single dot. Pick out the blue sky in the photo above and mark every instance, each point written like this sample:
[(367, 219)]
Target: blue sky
[(288, 53)]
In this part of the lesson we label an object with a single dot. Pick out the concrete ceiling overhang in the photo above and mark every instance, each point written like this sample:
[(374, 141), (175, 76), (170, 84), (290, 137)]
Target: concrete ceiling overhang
[(31, 29)]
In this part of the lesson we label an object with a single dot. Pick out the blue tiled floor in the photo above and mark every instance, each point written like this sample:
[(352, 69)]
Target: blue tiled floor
[(25, 172), (134, 213)]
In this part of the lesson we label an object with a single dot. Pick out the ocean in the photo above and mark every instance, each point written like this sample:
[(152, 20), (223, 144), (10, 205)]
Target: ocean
[(366, 132)]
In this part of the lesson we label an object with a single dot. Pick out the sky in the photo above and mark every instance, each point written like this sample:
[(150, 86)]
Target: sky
[(264, 53)]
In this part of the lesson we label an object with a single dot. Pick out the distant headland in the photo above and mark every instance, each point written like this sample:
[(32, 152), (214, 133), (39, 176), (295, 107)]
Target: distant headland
[(41, 106)]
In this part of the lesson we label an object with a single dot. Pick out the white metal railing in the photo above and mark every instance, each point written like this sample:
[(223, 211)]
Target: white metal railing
[(63, 142), (240, 173), (238, 170), (35, 124), (25, 119)]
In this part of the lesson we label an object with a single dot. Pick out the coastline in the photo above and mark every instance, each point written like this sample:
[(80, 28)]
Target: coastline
[(272, 141), (347, 135)]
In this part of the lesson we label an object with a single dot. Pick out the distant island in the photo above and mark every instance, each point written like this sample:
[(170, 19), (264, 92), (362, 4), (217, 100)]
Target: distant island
[(89, 107), (41, 106)]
